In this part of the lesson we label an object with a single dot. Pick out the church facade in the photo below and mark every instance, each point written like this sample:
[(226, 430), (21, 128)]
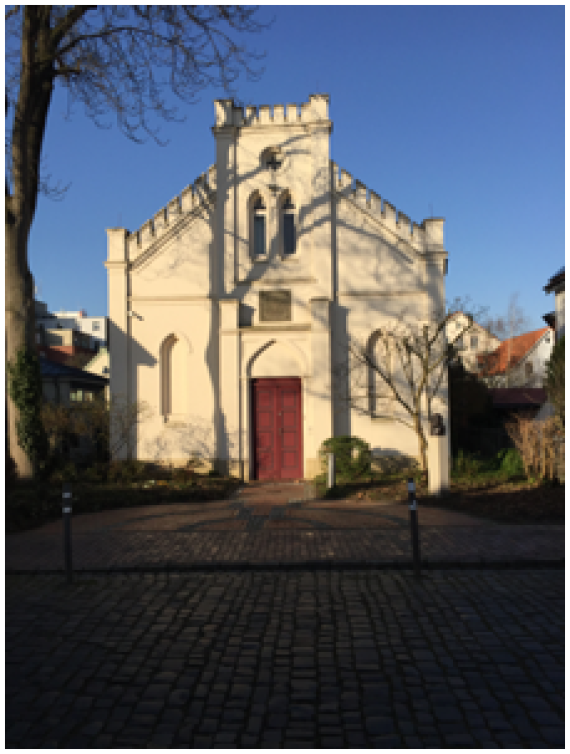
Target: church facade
[(232, 309)]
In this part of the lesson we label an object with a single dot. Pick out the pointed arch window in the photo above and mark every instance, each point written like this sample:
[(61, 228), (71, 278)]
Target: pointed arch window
[(288, 226), (380, 362), (174, 377)]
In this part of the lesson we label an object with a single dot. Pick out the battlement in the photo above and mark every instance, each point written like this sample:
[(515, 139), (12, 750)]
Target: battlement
[(195, 195), (427, 237), (229, 114)]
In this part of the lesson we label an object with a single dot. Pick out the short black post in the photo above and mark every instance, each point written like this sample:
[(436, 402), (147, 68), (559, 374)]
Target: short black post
[(66, 507), (414, 526)]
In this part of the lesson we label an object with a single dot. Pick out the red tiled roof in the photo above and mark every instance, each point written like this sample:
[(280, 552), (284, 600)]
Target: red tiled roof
[(510, 352), (518, 396)]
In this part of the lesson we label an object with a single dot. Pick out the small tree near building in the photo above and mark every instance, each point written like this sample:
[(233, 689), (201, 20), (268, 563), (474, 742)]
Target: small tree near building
[(403, 367)]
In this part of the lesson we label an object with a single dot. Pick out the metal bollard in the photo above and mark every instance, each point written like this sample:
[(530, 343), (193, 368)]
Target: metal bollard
[(66, 508), (331, 471), (414, 526)]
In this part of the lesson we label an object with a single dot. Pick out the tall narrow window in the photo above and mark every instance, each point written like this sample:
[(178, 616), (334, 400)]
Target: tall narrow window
[(380, 363), (288, 230), (174, 377), (259, 246)]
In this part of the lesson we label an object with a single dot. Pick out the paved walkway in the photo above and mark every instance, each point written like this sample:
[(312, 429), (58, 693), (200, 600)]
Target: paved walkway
[(279, 525), (305, 659)]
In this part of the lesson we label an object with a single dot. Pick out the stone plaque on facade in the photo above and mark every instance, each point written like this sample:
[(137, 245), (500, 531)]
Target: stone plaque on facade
[(275, 306)]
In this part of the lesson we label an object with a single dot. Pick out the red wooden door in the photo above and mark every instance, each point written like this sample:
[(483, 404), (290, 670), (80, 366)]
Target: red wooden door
[(277, 429)]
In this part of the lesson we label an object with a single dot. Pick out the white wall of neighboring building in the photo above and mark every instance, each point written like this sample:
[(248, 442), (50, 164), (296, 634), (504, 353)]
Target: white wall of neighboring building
[(185, 290), (476, 340), (531, 370), (95, 327)]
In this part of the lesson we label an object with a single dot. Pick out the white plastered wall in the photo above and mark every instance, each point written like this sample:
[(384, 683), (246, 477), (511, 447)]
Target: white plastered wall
[(194, 278)]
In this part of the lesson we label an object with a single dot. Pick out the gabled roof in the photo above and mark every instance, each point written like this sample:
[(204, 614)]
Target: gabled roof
[(555, 280), (475, 323), (52, 369), (510, 352)]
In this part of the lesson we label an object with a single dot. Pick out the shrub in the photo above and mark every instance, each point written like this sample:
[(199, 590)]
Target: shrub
[(64, 472), (125, 472), (95, 474), (468, 464), (536, 442), (353, 456), (510, 462)]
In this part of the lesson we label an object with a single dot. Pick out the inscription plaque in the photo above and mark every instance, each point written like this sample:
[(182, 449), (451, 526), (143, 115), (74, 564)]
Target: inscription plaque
[(275, 306)]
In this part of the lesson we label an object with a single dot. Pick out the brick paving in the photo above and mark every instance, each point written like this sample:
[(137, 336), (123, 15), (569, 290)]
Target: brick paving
[(280, 525), (277, 658)]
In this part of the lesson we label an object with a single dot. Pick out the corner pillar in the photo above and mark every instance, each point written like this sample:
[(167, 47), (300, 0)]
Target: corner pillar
[(118, 335), (230, 386)]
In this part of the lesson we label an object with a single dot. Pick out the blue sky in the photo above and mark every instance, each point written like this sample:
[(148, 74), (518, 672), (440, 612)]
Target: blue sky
[(452, 111)]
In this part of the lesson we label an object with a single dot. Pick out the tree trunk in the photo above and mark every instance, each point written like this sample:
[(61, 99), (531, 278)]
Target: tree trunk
[(422, 443), (20, 322)]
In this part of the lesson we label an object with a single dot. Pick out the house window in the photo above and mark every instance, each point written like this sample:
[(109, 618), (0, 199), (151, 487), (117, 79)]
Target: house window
[(288, 226), (259, 223), (528, 369), (96, 326), (474, 341), (76, 395)]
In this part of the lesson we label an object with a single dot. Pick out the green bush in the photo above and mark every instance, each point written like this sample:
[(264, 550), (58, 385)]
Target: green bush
[(63, 471), (353, 456), (125, 472), (510, 462)]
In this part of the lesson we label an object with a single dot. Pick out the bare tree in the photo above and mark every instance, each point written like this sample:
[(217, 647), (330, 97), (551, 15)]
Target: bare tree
[(400, 371), (118, 60), (110, 424)]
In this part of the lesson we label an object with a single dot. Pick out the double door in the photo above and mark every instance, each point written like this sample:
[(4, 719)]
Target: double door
[(277, 428)]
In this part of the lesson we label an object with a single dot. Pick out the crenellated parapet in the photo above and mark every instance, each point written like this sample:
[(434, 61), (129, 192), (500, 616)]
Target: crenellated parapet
[(313, 111), (424, 238), (196, 195)]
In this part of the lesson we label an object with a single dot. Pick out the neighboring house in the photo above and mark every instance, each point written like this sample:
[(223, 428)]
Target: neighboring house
[(73, 388), (94, 329), (69, 386), (100, 365), (477, 340), (556, 318), (519, 361), (65, 345), (68, 337), (231, 308)]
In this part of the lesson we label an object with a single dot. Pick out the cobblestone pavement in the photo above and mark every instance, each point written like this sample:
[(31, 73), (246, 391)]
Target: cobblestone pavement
[(272, 658), (278, 524)]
